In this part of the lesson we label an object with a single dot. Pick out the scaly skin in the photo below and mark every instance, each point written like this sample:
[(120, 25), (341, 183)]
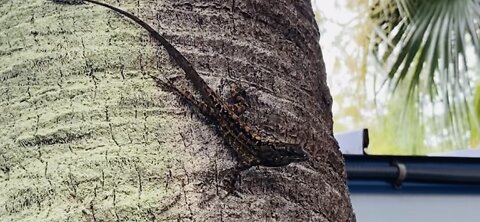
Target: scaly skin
[(250, 148)]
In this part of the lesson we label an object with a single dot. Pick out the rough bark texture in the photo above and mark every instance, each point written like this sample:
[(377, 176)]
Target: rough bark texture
[(86, 135)]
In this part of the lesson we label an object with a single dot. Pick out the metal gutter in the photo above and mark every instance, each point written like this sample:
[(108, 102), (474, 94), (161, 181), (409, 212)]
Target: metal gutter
[(409, 173)]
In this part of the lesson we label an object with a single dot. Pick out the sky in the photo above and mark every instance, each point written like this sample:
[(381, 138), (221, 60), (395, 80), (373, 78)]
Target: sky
[(333, 17), (339, 29), (331, 26)]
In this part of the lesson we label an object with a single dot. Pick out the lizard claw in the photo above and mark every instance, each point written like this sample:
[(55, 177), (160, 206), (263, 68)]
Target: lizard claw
[(230, 177)]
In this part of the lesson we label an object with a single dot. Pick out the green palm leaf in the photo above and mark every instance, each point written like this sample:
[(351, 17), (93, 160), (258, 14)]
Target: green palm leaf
[(424, 45)]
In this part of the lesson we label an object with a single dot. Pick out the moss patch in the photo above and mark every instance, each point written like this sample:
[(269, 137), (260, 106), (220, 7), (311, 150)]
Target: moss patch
[(85, 134)]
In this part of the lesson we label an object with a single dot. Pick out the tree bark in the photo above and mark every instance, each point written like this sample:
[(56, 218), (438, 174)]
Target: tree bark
[(87, 135)]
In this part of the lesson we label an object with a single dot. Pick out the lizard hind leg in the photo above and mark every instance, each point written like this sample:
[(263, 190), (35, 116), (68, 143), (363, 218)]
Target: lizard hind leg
[(187, 97)]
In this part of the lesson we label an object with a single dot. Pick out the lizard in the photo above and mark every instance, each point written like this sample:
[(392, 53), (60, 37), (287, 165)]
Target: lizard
[(249, 147)]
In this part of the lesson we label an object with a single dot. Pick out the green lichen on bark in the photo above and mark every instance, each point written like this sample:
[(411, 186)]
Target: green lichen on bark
[(85, 134)]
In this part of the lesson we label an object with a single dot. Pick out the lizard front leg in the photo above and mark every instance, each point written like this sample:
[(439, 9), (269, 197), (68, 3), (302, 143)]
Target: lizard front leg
[(237, 98)]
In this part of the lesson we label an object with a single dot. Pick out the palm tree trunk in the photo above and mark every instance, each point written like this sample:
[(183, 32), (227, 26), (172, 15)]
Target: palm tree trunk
[(87, 135)]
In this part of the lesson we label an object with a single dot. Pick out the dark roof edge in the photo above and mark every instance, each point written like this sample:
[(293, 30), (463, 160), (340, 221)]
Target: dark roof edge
[(404, 173)]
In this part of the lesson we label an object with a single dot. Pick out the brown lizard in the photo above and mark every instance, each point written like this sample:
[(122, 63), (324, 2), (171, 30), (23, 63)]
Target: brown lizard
[(249, 147)]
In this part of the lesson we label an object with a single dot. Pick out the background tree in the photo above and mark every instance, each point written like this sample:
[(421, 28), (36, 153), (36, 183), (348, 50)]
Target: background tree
[(431, 51), (390, 59), (88, 136)]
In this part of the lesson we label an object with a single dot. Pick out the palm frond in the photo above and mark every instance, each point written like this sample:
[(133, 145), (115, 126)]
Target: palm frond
[(424, 45)]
